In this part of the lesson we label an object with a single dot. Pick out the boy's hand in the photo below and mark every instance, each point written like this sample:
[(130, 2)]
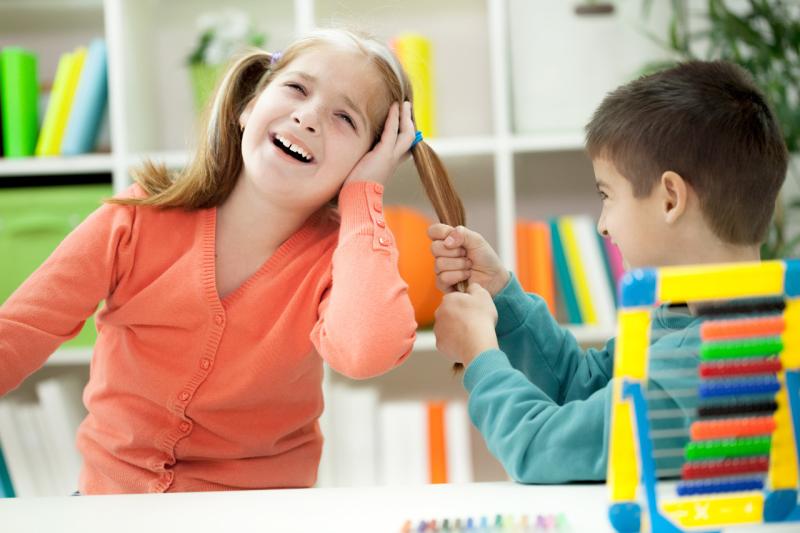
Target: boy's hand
[(380, 163), (465, 324), (462, 254)]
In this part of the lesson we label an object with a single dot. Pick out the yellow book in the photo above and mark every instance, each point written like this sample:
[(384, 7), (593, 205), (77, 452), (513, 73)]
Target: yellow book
[(414, 53), (577, 270), (64, 86), (45, 144)]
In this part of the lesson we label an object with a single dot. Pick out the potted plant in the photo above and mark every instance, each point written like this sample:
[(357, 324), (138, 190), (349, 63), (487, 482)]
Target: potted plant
[(763, 36), (220, 35)]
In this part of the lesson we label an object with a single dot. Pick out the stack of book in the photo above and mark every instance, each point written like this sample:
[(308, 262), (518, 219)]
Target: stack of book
[(74, 110), (567, 263), (38, 456), (375, 441)]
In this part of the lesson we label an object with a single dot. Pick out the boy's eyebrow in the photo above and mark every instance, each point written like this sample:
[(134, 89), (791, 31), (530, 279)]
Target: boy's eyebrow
[(347, 100), (600, 183)]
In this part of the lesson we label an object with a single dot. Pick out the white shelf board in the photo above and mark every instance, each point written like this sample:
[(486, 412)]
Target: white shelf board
[(70, 356), (585, 335), (41, 166), (550, 142)]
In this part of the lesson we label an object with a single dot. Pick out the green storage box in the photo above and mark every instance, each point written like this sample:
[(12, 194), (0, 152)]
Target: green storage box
[(33, 221)]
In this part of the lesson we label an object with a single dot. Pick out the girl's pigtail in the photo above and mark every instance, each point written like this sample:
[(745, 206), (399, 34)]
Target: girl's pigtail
[(442, 195), (210, 176)]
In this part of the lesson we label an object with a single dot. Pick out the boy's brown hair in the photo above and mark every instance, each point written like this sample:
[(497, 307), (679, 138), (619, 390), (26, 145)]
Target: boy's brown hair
[(708, 122)]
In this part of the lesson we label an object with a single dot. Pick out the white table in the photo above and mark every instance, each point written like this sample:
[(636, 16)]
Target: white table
[(367, 509)]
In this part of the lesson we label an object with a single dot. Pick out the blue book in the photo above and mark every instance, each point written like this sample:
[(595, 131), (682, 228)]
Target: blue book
[(562, 275), (6, 488), (89, 103)]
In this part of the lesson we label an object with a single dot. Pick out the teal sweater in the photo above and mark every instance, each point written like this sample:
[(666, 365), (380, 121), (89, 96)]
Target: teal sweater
[(543, 404)]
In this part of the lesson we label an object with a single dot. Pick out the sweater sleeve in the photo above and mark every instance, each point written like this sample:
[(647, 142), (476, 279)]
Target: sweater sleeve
[(537, 440), (540, 401), (547, 354), (51, 306), (366, 322)]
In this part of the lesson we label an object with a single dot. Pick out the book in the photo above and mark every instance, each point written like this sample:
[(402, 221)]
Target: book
[(459, 444), (19, 95), (403, 443), (592, 257), (46, 143), (6, 487), (541, 262), (15, 450), (563, 278), (89, 103), (437, 442), (352, 435), (63, 412), (61, 101), (414, 53)]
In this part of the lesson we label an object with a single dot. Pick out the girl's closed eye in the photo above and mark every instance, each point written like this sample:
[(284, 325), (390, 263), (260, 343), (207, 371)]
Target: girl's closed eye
[(348, 119), (603, 196), (296, 87)]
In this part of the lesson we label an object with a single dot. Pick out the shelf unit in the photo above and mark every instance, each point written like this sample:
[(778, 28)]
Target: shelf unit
[(500, 173)]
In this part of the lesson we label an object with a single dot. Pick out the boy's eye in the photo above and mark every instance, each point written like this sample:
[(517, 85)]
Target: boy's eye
[(603, 195)]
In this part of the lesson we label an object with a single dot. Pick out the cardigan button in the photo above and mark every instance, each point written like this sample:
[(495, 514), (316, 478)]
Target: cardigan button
[(380, 222), (185, 427), (218, 319), (384, 241), (378, 188), (184, 396), (377, 207), (205, 363)]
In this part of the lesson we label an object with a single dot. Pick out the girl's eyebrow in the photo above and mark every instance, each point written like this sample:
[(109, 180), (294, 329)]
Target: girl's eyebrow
[(347, 100)]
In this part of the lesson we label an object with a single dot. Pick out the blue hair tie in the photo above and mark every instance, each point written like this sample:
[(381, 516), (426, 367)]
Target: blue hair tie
[(274, 57), (417, 139)]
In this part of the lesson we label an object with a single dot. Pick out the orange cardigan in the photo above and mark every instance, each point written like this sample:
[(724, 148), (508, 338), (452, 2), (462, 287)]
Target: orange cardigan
[(188, 392)]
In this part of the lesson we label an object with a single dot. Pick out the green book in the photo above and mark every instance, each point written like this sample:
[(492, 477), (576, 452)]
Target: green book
[(19, 95), (6, 488)]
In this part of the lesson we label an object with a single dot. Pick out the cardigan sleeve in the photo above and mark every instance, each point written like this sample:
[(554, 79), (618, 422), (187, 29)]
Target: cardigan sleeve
[(52, 304), (366, 321)]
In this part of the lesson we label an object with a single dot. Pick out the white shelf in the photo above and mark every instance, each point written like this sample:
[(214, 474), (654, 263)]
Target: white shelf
[(42, 166), (70, 356), (585, 335), (548, 142)]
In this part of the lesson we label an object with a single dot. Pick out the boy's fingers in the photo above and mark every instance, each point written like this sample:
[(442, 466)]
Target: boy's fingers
[(450, 278), (444, 264), (438, 249), (438, 231), (475, 288)]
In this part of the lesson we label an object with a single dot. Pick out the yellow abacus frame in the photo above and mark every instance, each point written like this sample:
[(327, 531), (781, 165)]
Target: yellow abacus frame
[(630, 462)]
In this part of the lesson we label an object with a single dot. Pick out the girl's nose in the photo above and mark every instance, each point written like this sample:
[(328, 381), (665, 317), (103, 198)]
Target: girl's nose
[(306, 118), (601, 227)]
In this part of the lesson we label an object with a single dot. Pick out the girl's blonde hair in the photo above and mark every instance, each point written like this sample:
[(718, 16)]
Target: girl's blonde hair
[(211, 175)]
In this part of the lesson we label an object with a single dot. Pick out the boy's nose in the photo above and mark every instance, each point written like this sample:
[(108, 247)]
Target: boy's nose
[(601, 227)]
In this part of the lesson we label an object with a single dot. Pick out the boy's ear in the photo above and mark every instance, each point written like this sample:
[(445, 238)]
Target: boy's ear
[(675, 195)]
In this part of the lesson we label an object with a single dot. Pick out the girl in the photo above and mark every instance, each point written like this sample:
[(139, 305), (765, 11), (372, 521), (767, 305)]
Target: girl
[(225, 288)]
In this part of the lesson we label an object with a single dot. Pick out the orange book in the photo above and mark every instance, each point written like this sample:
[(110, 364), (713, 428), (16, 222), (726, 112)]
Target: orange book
[(437, 445), (541, 260), (523, 256)]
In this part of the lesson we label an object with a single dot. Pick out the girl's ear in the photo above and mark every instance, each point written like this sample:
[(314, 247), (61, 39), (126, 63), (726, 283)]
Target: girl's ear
[(675, 195), (245, 116)]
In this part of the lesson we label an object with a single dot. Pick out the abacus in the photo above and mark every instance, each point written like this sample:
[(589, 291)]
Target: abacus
[(737, 407)]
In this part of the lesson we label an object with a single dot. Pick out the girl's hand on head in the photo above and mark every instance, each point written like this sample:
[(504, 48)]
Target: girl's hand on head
[(380, 163), (465, 323), (462, 254)]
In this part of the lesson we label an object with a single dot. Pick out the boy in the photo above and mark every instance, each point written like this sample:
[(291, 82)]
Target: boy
[(688, 164)]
